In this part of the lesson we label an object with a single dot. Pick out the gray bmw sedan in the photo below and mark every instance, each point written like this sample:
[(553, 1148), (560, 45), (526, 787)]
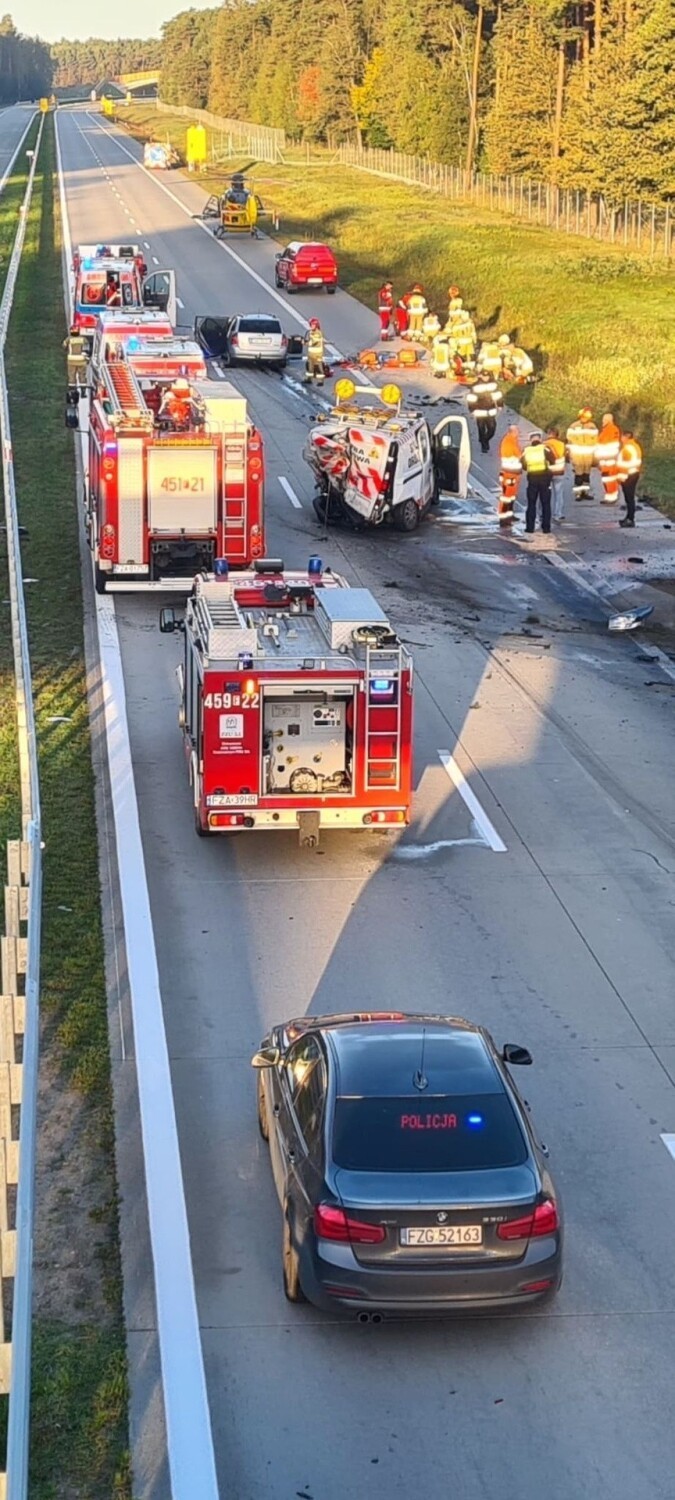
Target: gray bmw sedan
[(410, 1177)]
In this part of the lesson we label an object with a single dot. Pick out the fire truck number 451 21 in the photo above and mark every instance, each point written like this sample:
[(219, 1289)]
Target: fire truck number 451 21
[(232, 700), (174, 486)]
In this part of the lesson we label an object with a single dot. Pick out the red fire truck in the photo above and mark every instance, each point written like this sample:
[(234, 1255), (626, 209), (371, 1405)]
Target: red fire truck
[(164, 500), (296, 704)]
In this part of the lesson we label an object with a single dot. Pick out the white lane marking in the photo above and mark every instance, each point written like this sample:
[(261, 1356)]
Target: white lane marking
[(669, 1143), (180, 304), (486, 828), (155, 260), (288, 490), (189, 1435), (146, 244), (219, 374)]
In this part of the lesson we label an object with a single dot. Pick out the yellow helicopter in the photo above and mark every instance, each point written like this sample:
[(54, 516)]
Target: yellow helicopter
[(237, 210)]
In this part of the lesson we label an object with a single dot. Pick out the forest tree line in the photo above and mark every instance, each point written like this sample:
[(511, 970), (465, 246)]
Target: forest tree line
[(25, 65), (90, 62), (577, 92)]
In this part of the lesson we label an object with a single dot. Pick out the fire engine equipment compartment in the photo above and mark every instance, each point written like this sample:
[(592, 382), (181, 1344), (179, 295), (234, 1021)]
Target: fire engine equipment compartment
[(296, 700)]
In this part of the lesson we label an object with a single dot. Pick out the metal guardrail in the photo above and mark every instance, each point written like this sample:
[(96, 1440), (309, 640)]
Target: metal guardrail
[(636, 223), (19, 1009)]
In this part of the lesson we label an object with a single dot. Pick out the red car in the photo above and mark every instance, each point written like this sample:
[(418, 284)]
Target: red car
[(306, 265)]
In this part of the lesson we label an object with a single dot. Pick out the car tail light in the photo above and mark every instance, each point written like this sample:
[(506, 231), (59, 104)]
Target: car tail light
[(234, 339), (334, 1224), (543, 1220), (107, 548), (536, 1286), (393, 815), (284, 341), (256, 542)]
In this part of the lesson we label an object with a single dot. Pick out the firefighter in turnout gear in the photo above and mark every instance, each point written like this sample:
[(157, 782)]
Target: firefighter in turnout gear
[(417, 311), (606, 457), (490, 358), (510, 470), (484, 400), (582, 437), (628, 472), (385, 307), (536, 461), (430, 328), (464, 337), (315, 356), (455, 306), (76, 357), (441, 357), (517, 365), (179, 405)]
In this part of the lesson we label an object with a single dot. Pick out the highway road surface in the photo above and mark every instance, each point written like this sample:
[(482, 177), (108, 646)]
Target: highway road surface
[(13, 122), (563, 941)]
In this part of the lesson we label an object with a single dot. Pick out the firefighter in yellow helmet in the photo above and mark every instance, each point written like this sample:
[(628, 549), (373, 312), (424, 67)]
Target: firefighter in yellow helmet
[(582, 438), (417, 311), (316, 353), (430, 327)]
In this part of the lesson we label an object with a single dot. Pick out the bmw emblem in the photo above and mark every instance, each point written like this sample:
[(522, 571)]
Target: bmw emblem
[(442, 1217)]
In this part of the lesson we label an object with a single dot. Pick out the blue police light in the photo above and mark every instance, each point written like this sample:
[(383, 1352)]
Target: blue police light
[(221, 568), (381, 685), (475, 1121), (315, 567), (133, 344)]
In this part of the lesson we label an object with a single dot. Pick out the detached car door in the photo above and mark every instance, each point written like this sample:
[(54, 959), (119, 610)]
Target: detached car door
[(451, 449)]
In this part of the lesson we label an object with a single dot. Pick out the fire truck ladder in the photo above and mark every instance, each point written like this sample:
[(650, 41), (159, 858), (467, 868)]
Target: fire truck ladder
[(235, 485), (125, 392), (384, 664)]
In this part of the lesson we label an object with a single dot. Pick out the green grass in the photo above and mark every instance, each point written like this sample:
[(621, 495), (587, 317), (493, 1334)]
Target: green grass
[(598, 322), (10, 801), (79, 1413)]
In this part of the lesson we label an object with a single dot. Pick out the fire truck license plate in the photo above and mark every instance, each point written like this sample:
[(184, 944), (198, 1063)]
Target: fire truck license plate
[(244, 799)]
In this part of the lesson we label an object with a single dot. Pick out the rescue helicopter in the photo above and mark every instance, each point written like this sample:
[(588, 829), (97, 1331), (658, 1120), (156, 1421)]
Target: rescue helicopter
[(237, 209)]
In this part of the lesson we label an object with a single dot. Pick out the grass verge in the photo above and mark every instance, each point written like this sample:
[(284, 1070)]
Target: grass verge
[(598, 322), (79, 1412), (10, 800)]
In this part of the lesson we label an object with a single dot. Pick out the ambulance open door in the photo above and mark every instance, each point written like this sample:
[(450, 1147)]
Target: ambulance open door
[(451, 448), (159, 292)]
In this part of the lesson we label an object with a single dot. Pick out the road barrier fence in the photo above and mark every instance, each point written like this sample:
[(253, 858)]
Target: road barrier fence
[(20, 965), (233, 137)]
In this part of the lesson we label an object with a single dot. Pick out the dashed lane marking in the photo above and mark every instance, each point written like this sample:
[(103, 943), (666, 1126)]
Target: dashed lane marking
[(290, 492), (669, 1143)]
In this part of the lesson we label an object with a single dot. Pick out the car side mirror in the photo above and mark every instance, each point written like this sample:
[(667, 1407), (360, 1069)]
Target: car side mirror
[(169, 622), (71, 418), (267, 1057), (515, 1056)]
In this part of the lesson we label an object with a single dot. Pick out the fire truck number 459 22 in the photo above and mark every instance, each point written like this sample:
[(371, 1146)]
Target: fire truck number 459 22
[(232, 700)]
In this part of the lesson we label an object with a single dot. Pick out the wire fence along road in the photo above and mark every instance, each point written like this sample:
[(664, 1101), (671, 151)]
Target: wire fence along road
[(637, 224), (237, 137), (19, 1002)]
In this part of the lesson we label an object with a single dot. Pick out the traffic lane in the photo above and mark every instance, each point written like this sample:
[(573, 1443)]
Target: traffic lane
[(94, 212), (13, 122), (365, 970), (469, 1431)]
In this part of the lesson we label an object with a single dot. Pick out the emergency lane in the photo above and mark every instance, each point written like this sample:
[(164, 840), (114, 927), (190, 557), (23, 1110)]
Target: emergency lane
[(14, 122), (565, 944)]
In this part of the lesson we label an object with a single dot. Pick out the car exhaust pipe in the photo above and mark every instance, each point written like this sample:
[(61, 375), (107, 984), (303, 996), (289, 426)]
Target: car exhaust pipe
[(366, 1317), (376, 1318)]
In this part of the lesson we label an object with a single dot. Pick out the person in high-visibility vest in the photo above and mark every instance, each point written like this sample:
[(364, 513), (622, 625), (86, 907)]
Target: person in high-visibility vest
[(441, 359), (556, 469), (455, 302), (606, 456), (417, 310), (76, 357), (385, 307), (536, 459), (430, 327), (490, 357), (316, 353), (582, 437), (629, 465), (510, 470), (464, 333), (484, 400)]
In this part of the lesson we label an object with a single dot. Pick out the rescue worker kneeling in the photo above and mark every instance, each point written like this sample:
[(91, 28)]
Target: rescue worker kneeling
[(430, 328), (179, 406), (315, 356), (484, 400)]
